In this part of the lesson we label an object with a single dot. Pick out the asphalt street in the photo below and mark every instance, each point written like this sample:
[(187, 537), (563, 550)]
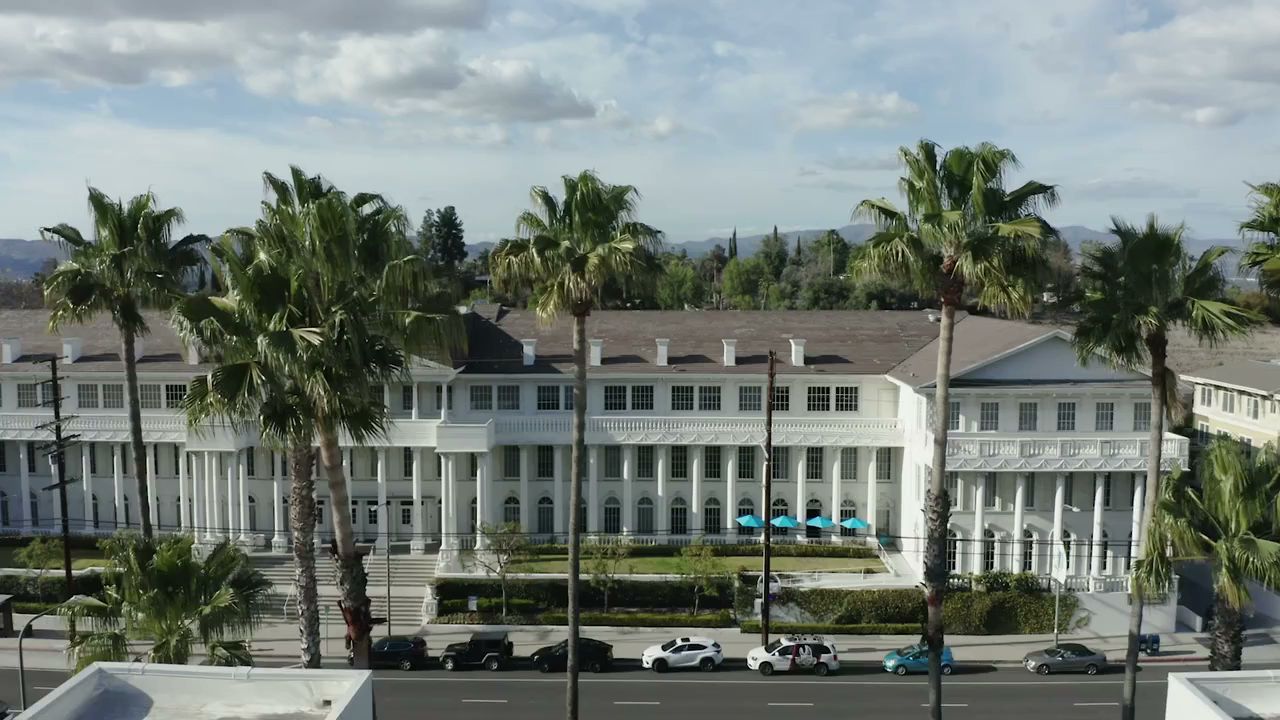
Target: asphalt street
[(734, 693)]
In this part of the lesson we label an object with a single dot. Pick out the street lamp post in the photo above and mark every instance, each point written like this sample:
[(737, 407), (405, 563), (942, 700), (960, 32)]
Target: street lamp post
[(73, 601)]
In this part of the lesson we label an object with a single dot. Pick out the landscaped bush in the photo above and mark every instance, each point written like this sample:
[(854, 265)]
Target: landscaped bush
[(753, 626), (783, 550), (50, 588), (544, 595), (488, 605), (859, 607), (78, 542), (714, 620)]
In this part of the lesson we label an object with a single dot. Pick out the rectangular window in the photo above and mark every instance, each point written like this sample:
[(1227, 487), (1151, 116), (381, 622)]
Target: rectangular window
[(250, 462), (709, 398), (644, 462), (818, 399), (711, 462), (149, 396), (511, 462), (679, 462), (87, 395), (406, 512), (641, 397), (781, 398), (1206, 396), (1104, 417), (749, 398), (989, 417), (1029, 501), (1028, 416), (548, 397), (746, 462), (174, 395), (31, 458), (509, 397), (473, 466), (1142, 416), (884, 464), (1228, 402), (1106, 490), (1251, 408), (953, 415), (847, 398), (1202, 431), (615, 398), (371, 512), (613, 462), (113, 396), (568, 397), (952, 484), (781, 463), (406, 398), (27, 395), (849, 463), (813, 458), (406, 462), (481, 397), (681, 397), (1066, 417), (988, 490), (546, 462)]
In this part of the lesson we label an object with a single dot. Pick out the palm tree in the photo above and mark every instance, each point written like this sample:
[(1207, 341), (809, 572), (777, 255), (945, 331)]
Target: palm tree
[(1136, 290), (127, 267), (1263, 254), (326, 301), (160, 593), (570, 248), (1232, 521), (961, 233)]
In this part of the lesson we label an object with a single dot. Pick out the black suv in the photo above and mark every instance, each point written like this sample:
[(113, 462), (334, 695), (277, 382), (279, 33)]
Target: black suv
[(397, 651), (490, 649), (593, 655)]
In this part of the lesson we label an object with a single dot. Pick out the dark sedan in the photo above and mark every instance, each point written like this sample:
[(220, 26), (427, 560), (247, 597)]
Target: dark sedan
[(593, 656), (397, 651)]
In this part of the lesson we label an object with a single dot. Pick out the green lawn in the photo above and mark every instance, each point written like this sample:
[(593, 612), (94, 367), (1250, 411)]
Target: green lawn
[(80, 559), (671, 565)]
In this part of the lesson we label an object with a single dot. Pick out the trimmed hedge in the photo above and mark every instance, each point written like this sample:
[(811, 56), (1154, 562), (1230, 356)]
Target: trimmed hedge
[(78, 542), (753, 626), (50, 588), (488, 605), (720, 619), (544, 595), (753, 549)]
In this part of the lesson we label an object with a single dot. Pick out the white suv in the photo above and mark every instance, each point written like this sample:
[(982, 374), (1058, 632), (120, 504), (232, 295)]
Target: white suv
[(686, 652), (795, 652)]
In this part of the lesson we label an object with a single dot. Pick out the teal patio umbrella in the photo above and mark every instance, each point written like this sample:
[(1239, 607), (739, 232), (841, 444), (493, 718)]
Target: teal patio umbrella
[(784, 521), (751, 521), (820, 522), (854, 523)]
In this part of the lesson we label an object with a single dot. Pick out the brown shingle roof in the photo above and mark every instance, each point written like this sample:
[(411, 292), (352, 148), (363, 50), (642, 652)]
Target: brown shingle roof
[(100, 342)]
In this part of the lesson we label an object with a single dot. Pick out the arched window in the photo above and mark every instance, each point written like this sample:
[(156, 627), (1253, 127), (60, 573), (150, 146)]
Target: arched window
[(475, 515), (612, 516), (1105, 549), (812, 509), (644, 516), (679, 512), (988, 550), (253, 513), (35, 510), (778, 509), (848, 510), (746, 507), (511, 511), (953, 552), (4, 508), (1028, 551), (546, 515), (711, 520)]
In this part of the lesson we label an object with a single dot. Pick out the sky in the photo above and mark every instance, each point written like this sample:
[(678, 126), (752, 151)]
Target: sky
[(724, 113)]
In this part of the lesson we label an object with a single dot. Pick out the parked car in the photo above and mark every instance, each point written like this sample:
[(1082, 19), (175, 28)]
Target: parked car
[(396, 651), (491, 649), (686, 652), (1067, 657), (795, 652), (593, 655), (915, 658)]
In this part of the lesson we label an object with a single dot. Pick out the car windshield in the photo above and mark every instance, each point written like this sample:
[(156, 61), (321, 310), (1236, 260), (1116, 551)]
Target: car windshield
[(773, 646), (904, 651), (1053, 652), (668, 645)]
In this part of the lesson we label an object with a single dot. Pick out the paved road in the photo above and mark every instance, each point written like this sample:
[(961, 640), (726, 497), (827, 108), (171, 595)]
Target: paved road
[(734, 694)]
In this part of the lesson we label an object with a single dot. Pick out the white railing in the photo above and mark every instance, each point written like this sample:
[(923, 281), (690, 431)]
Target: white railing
[(610, 429), (995, 452)]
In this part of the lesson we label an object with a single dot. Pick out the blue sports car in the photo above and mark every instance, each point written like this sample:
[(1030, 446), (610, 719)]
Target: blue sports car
[(915, 658)]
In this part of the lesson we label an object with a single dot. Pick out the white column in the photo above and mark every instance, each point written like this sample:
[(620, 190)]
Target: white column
[(24, 502), (485, 504), (1095, 544), (232, 474), (447, 538), (872, 494), (243, 494), (979, 520), (1139, 485), (200, 491), (419, 543), (117, 470), (153, 507), (561, 506), (444, 402), (837, 496), (184, 517), (663, 521), (802, 485), (384, 512), (695, 490), (1059, 500), (1019, 503), (211, 494), (526, 474), (729, 467), (87, 485), (594, 461), (278, 539), (416, 414), (628, 489)]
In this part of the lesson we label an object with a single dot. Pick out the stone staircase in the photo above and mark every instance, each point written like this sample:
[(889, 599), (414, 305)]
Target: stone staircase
[(409, 575)]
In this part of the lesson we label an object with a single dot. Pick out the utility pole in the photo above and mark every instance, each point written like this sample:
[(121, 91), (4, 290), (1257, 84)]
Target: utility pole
[(56, 452), (767, 498)]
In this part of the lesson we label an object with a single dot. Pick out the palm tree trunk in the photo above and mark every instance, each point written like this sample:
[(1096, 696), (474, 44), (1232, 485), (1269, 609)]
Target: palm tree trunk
[(1157, 348), (302, 520), (352, 582), (579, 457), (1227, 642), (938, 511), (135, 431)]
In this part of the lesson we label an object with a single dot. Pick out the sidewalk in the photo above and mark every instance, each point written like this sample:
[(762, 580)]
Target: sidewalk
[(277, 642)]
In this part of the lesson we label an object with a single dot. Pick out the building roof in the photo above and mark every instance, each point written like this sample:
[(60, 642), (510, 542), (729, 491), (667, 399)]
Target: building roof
[(1235, 695), (977, 339), (162, 351), (1259, 375)]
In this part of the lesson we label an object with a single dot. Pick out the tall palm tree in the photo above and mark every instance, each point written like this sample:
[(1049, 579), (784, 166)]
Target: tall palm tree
[(1263, 225), (961, 233), (1136, 290), (127, 267), (160, 593), (570, 248), (1232, 521), (326, 302)]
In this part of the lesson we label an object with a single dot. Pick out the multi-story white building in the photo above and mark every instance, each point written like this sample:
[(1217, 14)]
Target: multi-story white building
[(1240, 399), (1041, 447)]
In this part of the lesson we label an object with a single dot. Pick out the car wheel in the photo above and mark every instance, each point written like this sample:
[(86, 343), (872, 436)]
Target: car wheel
[(406, 664), (766, 669), (1042, 670), (821, 669), (900, 670), (595, 667), (660, 665), (706, 664), (449, 664), (946, 669), (1090, 669), (493, 664), (544, 667)]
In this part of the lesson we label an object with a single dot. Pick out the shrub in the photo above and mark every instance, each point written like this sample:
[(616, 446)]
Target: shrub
[(719, 619), (857, 607), (967, 613), (50, 588), (488, 605), (753, 626)]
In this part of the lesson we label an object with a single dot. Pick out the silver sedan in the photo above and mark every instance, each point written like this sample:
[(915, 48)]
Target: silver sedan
[(1067, 657)]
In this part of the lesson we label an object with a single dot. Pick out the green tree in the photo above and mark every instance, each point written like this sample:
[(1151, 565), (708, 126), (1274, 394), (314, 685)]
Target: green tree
[(40, 554), (160, 592), (831, 251), (605, 566), (733, 244), (571, 247), (960, 231), (447, 247), (1135, 290), (502, 547), (326, 302), (701, 570), (1263, 226), (679, 286), (1232, 521), (824, 293), (129, 266), (773, 253), (744, 280)]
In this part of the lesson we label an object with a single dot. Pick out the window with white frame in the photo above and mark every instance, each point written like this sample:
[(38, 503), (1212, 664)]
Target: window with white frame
[(546, 465), (988, 490), (406, 461), (481, 397), (781, 398), (1142, 416), (711, 517), (568, 397), (952, 483), (813, 458), (1028, 416), (1029, 497), (612, 462), (615, 398), (709, 398), (644, 462), (953, 415), (781, 463), (1104, 417), (681, 397), (1202, 432), (1106, 491), (1251, 408), (989, 417), (174, 393), (87, 395), (819, 399), (1066, 417), (746, 462), (149, 396), (641, 397), (1228, 402), (1206, 396), (27, 395), (711, 462), (509, 397), (749, 398), (746, 507), (406, 397), (511, 462), (679, 462), (848, 511), (112, 396), (548, 398), (849, 463), (884, 464), (847, 398)]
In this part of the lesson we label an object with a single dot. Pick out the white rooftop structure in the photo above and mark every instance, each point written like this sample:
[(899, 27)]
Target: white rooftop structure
[(137, 691), (1240, 695)]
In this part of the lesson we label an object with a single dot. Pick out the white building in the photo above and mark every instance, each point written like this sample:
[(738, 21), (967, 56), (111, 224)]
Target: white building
[(1239, 695), (675, 433)]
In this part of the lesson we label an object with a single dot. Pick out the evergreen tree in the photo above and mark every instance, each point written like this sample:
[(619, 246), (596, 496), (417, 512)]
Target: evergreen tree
[(443, 244), (733, 244), (773, 253)]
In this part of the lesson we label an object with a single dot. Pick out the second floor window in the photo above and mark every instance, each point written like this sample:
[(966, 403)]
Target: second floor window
[(481, 397), (781, 463), (847, 398), (709, 398), (781, 398), (548, 397), (1104, 419), (641, 397), (1028, 416), (508, 397), (644, 462), (615, 398), (746, 462), (1142, 416), (1066, 417), (749, 398), (884, 464), (1251, 408), (27, 395), (989, 417), (953, 415), (87, 395), (113, 396), (174, 394), (613, 462), (681, 397), (1206, 396), (511, 462), (849, 463), (406, 397), (813, 463), (819, 399), (149, 396), (1228, 402)]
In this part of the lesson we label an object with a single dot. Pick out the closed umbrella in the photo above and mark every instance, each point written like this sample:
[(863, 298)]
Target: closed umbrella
[(784, 521), (854, 523), (820, 522), (751, 521)]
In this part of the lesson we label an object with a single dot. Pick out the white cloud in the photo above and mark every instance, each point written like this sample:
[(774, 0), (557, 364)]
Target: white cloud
[(854, 108)]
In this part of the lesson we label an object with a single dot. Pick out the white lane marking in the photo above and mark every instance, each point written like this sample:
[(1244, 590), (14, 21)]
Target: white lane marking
[(636, 702), (947, 704), (1097, 704), (791, 704), (482, 700), (789, 681)]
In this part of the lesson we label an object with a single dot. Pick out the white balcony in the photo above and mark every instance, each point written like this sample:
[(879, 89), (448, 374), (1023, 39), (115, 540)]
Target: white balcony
[(696, 430), (157, 426), (992, 451)]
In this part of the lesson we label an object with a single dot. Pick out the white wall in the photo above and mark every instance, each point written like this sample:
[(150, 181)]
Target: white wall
[(1108, 614), (1051, 359)]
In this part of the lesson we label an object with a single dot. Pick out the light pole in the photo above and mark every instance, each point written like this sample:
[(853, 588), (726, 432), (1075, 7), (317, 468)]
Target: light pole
[(83, 601)]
